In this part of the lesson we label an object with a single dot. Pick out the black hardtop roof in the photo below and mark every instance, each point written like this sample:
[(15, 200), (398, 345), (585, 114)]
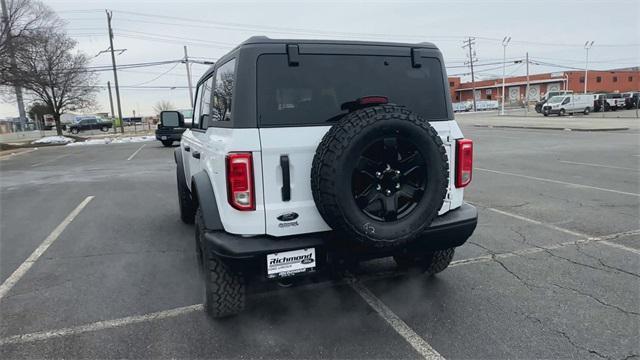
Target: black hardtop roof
[(266, 40), (257, 40)]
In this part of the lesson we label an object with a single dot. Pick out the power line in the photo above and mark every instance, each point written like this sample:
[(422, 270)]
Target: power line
[(189, 22), (157, 77)]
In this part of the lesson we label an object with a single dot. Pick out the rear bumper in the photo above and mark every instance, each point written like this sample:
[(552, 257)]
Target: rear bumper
[(168, 136), (449, 230)]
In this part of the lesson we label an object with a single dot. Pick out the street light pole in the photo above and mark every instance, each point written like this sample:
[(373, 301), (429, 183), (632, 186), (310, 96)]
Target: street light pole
[(526, 96), (587, 46), (505, 42)]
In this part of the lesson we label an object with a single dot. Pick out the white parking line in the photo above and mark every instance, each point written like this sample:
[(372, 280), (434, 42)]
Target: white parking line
[(8, 156), (597, 165), (27, 264), (550, 226), (135, 152), (51, 160), (415, 340), (559, 182), (620, 246), (602, 239), (100, 325), (596, 239)]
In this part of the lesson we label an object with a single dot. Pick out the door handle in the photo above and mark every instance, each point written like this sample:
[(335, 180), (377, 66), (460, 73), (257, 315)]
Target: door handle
[(196, 155), (187, 149), (286, 178)]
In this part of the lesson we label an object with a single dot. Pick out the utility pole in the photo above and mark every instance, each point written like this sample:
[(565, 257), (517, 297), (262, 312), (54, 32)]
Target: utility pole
[(526, 94), (113, 116), (12, 64), (472, 58), (115, 72), (186, 62), (505, 42), (587, 46)]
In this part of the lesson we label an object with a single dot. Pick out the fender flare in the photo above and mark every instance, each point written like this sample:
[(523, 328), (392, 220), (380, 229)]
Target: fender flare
[(177, 156), (206, 199)]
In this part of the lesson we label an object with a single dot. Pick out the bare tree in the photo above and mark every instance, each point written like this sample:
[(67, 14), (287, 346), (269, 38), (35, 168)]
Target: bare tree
[(54, 74), (162, 105), (21, 20)]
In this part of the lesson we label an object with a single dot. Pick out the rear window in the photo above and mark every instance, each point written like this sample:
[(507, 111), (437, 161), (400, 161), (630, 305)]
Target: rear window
[(312, 93)]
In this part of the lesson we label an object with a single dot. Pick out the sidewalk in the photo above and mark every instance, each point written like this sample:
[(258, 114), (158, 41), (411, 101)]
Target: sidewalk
[(87, 136), (591, 122)]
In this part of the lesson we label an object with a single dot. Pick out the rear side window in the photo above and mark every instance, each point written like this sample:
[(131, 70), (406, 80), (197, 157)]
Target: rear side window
[(203, 100), (223, 92), (312, 93)]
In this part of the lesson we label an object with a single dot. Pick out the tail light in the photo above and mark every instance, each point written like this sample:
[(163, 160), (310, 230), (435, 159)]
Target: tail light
[(240, 186), (464, 162), (374, 100)]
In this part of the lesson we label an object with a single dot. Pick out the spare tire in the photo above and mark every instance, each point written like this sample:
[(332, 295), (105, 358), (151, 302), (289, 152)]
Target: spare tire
[(380, 176)]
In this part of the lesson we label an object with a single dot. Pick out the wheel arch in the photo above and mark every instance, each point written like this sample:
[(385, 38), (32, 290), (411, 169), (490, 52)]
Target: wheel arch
[(204, 197)]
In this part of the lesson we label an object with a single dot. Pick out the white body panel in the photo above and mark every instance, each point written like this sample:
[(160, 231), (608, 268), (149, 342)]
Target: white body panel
[(572, 103), (299, 144), (214, 145)]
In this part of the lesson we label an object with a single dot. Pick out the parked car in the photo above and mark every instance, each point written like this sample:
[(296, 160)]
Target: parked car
[(548, 96), (90, 123), (171, 127), (462, 106), (600, 102), (631, 100), (483, 105), (132, 120), (303, 163), (615, 101), (568, 104)]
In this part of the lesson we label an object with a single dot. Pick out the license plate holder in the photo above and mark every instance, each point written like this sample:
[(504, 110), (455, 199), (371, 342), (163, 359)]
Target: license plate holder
[(290, 263), (163, 137)]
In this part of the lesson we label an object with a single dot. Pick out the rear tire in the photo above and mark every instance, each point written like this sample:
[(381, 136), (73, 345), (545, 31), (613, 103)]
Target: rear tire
[(587, 110), (187, 211), (167, 143), (429, 263), (200, 229), (225, 289), (104, 129)]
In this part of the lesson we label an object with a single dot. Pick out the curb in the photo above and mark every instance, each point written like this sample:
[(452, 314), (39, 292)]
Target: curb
[(550, 128)]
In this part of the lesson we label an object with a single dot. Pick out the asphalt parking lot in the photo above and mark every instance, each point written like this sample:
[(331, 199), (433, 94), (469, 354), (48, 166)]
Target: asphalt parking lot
[(552, 271)]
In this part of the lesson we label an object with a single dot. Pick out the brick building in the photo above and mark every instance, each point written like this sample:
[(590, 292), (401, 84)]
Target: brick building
[(539, 84)]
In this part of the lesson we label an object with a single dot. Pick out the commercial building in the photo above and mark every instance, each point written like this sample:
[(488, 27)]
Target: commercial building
[(620, 80)]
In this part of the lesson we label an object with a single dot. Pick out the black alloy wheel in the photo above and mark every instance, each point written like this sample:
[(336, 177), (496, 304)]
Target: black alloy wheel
[(389, 179)]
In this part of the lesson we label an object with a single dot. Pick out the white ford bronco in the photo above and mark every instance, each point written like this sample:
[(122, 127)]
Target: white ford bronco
[(307, 155)]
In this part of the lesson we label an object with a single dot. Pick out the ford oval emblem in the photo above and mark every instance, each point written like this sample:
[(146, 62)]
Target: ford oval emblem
[(288, 216), (306, 261)]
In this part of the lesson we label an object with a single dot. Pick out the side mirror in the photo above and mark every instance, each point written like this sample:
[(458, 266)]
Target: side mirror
[(171, 119), (205, 119)]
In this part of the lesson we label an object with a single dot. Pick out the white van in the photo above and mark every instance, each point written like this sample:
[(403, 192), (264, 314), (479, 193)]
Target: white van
[(568, 104)]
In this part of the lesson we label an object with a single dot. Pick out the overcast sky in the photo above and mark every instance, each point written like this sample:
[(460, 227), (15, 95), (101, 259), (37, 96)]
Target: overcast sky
[(551, 31)]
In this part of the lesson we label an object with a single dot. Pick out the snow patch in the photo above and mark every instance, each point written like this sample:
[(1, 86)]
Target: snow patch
[(119, 140), (54, 140)]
